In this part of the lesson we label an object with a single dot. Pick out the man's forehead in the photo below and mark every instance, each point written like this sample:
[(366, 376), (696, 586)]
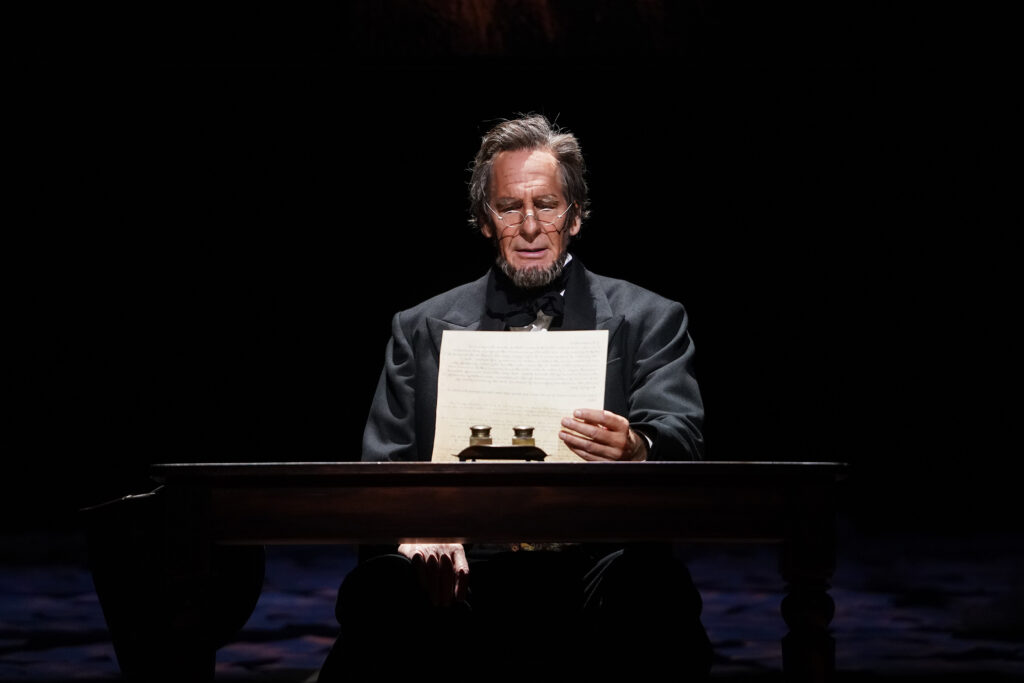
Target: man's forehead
[(534, 169)]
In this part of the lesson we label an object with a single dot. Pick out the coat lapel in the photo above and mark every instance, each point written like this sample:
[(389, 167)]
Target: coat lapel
[(586, 305), (468, 312)]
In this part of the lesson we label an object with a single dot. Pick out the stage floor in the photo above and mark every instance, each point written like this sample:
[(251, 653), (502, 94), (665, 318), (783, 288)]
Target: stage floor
[(908, 606)]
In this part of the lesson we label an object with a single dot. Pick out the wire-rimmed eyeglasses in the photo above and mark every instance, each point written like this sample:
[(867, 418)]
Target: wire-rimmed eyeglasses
[(513, 219)]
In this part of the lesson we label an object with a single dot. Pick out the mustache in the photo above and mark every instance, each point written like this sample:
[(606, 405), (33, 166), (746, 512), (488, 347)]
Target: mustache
[(515, 231)]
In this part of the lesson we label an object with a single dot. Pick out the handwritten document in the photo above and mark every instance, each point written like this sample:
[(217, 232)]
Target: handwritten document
[(505, 379)]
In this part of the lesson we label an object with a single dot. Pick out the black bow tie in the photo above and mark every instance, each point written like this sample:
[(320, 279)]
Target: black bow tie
[(525, 312), (519, 307)]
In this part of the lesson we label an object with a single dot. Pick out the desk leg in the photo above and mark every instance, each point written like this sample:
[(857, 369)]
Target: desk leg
[(169, 601), (807, 562)]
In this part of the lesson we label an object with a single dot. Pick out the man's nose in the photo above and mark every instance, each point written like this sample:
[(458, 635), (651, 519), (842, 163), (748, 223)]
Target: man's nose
[(530, 227)]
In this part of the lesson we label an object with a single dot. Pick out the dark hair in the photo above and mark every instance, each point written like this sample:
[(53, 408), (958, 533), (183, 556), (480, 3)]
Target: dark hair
[(529, 132)]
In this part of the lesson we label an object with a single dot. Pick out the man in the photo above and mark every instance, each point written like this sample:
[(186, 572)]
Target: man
[(529, 197)]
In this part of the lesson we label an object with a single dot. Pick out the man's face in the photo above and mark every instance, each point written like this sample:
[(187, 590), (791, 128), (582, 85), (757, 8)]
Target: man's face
[(528, 181)]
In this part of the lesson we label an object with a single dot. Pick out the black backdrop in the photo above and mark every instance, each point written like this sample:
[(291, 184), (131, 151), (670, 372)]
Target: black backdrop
[(221, 211)]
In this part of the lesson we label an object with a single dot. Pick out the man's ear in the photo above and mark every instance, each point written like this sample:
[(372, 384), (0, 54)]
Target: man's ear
[(487, 230), (576, 221)]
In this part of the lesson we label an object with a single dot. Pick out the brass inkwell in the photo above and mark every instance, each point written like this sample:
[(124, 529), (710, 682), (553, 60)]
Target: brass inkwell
[(482, 446)]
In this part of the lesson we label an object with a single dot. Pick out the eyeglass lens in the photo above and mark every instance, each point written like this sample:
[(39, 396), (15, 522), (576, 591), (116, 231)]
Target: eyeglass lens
[(514, 219)]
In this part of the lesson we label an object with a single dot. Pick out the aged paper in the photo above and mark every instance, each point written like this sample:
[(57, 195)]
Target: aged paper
[(504, 379)]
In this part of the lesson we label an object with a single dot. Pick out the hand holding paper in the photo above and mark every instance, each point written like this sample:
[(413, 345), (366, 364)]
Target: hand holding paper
[(608, 436)]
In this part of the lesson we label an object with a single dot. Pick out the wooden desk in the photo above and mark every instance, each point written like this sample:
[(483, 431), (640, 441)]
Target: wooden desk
[(791, 504)]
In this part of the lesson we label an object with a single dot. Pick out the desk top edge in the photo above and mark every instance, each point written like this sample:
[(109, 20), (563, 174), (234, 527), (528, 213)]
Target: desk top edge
[(286, 471)]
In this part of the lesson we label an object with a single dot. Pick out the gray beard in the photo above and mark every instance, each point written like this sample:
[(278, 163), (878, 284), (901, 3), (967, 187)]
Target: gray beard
[(532, 278)]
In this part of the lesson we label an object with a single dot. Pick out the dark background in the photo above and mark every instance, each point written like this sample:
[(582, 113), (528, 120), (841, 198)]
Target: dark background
[(216, 211)]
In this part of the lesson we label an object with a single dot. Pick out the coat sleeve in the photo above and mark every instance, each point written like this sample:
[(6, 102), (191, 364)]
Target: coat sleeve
[(664, 399), (390, 432)]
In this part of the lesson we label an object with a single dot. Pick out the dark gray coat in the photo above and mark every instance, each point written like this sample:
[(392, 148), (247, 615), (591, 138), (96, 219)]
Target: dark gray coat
[(649, 377)]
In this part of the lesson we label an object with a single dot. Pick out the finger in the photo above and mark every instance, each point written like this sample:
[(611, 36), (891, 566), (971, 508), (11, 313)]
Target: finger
[(459, 560), (589, 449), (597, 433), (603, 418), (461, 569), (428, 577), (613, 430), (610, 437), (461, 585), (591, 415), (580, 427), (445, 580)]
